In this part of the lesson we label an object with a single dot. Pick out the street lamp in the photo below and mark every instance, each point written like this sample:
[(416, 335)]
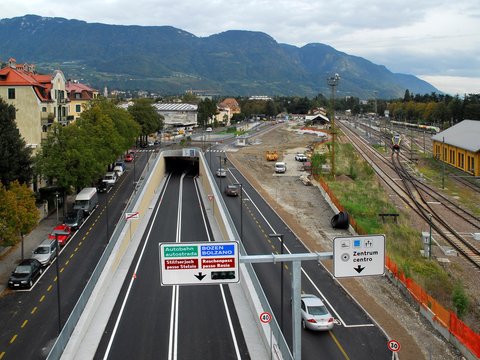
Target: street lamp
[(241, 210), (430, 237), (281, 279), (56, 203), (332, 81)]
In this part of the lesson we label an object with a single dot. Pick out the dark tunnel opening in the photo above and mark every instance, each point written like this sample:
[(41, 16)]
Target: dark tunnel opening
[(180, 164)]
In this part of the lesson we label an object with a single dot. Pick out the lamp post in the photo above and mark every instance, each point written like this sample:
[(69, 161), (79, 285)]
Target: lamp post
[(58, 284), (241, 210), (332, 81), (281, 279), (220, 168), (106, 208), (430, 237), (56, 203)]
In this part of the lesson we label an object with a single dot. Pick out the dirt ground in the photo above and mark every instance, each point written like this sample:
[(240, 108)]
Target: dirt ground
[(301, 206)]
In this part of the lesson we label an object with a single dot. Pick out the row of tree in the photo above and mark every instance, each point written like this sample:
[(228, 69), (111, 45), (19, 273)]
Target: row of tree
[(71, 157), (431, 108)]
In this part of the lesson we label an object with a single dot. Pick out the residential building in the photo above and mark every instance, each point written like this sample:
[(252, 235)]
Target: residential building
[(40, 100), (79, 95), (459, 146), (226, 109)]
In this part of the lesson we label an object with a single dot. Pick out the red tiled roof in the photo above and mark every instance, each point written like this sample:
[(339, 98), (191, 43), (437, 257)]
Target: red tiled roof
[(18, 77)]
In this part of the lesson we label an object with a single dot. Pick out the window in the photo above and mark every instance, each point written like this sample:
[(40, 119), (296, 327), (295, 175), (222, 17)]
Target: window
[(460, 160), (11, 93), (78, 108), (44, 109), (78, 96)]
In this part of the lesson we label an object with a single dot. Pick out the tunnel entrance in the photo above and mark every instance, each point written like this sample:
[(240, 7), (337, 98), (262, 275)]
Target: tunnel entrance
[(181, 164)]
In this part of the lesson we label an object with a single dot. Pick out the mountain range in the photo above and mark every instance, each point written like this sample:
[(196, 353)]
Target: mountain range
[(168, 60)]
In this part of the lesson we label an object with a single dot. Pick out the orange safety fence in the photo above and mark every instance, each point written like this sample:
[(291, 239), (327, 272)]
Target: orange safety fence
[(466, 335), (445, 317)]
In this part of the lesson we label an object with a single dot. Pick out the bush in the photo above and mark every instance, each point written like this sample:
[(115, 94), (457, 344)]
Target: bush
[(460, 300)]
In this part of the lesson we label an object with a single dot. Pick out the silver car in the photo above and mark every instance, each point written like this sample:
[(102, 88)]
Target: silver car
[(221, 172), (315, 315), (45, 252)]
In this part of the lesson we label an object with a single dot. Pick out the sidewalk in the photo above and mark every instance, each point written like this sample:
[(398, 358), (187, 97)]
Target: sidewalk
[(10, 257)]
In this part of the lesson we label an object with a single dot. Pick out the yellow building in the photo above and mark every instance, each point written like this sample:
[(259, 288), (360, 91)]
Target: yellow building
[(79, 95), (459, 146), (40, 100)]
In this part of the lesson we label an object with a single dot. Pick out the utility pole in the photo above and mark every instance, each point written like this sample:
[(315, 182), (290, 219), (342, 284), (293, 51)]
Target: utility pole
[(332, 81)]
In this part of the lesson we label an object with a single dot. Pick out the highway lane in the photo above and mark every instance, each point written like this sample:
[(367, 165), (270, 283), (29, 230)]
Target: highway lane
[(30, 318), (179, 322), (356, 336)]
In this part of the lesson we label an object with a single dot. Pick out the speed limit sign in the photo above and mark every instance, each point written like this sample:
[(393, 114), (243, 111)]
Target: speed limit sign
[(265, 317), (393, 345)]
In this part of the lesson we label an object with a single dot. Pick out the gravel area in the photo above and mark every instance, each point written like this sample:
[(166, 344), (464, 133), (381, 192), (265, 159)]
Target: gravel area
[(301, 206)]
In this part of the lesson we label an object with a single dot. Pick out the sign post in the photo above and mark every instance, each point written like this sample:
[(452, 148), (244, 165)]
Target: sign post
[(359, 256), (199, 263)]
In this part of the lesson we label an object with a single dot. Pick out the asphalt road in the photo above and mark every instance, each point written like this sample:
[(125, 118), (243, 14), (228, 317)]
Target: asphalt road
[(355, 336), (30, 319), (164, 322)]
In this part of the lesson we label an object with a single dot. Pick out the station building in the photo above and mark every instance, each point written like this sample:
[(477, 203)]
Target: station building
[(459, 146)]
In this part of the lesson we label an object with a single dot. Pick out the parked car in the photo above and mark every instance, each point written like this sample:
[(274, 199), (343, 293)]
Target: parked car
[(280, 167), (120, 163), (45, 252), (221, 172), (25, 274), (232, 190), (75, 219), (103, 186), (62, 233), (110, 177), (208, 129), (128, 158), (118, 170), (301, 157), (315, 315)]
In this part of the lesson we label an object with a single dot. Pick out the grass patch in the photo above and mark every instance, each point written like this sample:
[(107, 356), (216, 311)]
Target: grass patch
[(359, 191)]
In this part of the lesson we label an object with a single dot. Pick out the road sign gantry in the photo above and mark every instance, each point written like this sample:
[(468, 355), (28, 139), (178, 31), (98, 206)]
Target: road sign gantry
[(199, 263)]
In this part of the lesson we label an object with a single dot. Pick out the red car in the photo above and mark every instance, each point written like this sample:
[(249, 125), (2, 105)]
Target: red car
[(128, 157), (62, 233)]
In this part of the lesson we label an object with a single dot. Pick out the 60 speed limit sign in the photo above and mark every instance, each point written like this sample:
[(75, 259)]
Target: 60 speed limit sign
[(393, 345), (265, 317)]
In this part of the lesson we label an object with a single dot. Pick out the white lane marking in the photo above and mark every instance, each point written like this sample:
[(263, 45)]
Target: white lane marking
[(173, 333), (227, 310), (117, 322), (303, 271)]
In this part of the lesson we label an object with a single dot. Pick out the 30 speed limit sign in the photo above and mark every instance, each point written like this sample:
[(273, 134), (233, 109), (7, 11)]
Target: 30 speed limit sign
[(393, 345), (265, 317)]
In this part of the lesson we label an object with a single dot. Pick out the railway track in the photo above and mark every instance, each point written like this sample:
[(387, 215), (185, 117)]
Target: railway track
[(414, 194)]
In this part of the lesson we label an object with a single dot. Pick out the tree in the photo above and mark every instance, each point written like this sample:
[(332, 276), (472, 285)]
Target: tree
[(146, 116), (15, 156), (78, 154), (18, 213), (207, 109)]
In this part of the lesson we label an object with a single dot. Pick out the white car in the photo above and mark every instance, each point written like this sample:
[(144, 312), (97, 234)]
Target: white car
[(280, 167), (221, 172), (208, 129), (315, 315), (110, 178), (301, 157), (118, 170)]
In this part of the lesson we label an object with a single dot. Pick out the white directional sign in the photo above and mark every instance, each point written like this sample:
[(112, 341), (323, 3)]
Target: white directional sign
[(199, 263), (359, 256)]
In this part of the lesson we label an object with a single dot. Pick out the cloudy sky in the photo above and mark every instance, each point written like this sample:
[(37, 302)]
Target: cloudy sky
[(436, 40)]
